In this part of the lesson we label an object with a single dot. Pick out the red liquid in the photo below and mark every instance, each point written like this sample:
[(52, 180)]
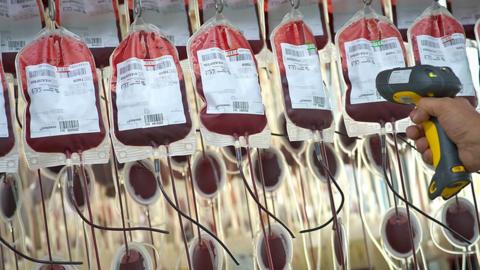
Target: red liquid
[(225, 38), (296, 33), (332, 163), (204, 256), (78, 190), (338, 245), (143, 182), (52, 267), (6, 144), (182, 50), (256, 45), (8, 194), (460, 219), (60, 51), (375, 150), (384, 111), (148, 45), (320, 41), (272, 171), (180, 159), (277, 249), (133, 261), (397, 233), (436, 26), (207, 174)]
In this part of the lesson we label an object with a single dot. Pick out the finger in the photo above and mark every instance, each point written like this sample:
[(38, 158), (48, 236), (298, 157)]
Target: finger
[(428, 157), (414, 132), (433, 106), (419, 116), (421, 144)]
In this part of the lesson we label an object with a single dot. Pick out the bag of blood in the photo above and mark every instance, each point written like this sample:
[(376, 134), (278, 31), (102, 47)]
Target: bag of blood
[(459, 215), (281, 248), (273, 167), (466, 12), (141, 182), (8, 136), (340, 252), (342, 10), (10, 197), (138, 258), (208, 173), (226, 78), (317, 169), (62, 119), (313, 16), (307, 104), (368, 44), (205, 253), (438, 39), (395, 235), (243, 14), (405, 12), (97, 22), (146, 69), (76, 188), (171, 16)]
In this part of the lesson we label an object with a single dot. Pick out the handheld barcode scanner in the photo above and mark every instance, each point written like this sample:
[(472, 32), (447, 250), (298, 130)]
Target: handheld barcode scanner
[(408, 86)]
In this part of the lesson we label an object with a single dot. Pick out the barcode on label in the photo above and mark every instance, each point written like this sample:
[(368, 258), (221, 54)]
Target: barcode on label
[(240, 106), (129, 67), (94, 41), (213, 56), (387, 46), (41, 73), (13, 2), (240, 57), (154, 119), (358, 47), (297, 53), (453, 42), (14, 44), (429, 43), (74, 73), (318, 101), (162, 65), (69, 126)]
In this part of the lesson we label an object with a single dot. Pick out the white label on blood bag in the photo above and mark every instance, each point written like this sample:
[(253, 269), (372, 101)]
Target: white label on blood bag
[(305, 83), (62, 100), (365, 59), (343, 10), (242, 14), (309, 9), (466, 11), (148, 93), (447, 51), (409, 10), (400, 76), (230, 81), (93, 20), (3, 114), (170, 16), (19, 23)]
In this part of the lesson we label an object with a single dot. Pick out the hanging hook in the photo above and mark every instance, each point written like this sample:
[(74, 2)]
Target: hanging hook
[(51, 10), (138, 8), (367, 2), (295, 3), (219, 6)]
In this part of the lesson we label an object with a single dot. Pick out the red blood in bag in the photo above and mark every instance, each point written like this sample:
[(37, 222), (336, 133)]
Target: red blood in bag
[(6, 143), (78, 188), (374, 150), (297, 33), (52, 267), (460, 219), (438, 26), (233, 124), (143, 182), (272, 169), (132, 261), (204, 255), (8, 197), (55, 169), (207, 174), (339, 245), (60, 51), (332, 163), (256, 45), (148, 45), (320, 40), (180, 159), (397, 233), (277, 250), (381, 111)]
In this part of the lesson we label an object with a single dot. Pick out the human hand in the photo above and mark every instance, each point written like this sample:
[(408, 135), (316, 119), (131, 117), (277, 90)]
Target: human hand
[(460, 121)]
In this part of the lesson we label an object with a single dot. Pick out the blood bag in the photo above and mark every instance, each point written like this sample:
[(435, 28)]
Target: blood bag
[(208, 173), (340, 246), (20, 21), (438, 39), (405, 12), (226, 78), (280, 245), (395, 232), (75, 191), (317, 168), (138, 258), (58, 79), (8, 138), (145, 70), (95, 21), (368, 44), (466, 12), (172, 17), (459, 215), (343, 10), (244, 14), (307, 104), (141, 183), (313, 16), (205, 253), (10, 196), (273, 168)]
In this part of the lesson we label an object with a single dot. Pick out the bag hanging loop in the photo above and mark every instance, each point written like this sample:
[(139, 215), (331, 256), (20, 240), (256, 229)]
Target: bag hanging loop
[(367, 2), (219, 6), (295, 3), (138, 8)]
